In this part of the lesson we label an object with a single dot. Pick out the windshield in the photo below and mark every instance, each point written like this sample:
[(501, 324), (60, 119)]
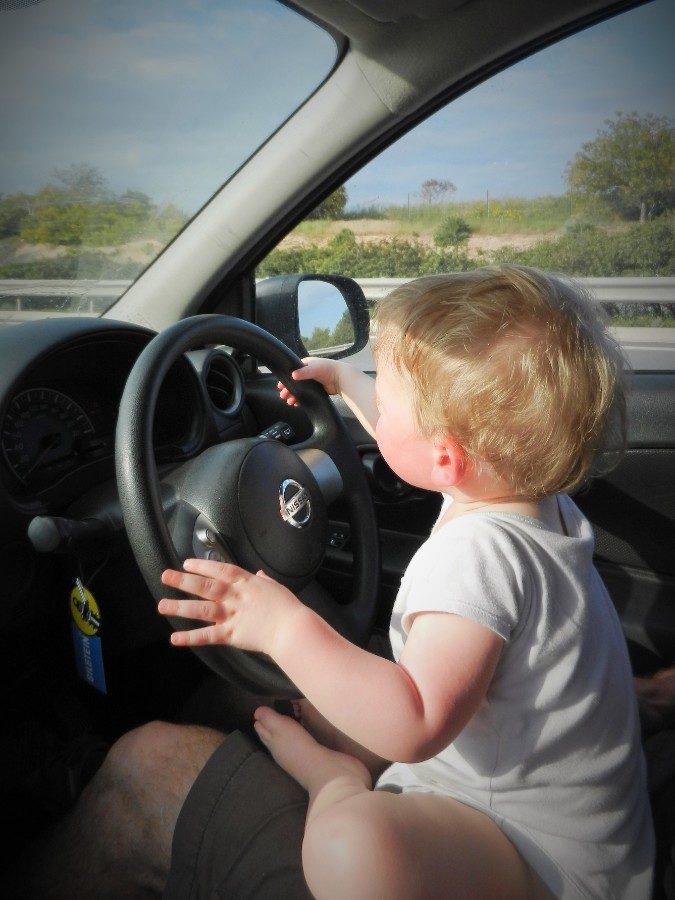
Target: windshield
[(120, 120)]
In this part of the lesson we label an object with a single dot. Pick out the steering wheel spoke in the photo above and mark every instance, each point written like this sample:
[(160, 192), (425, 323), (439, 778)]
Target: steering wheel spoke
[(194, 535), (325, 472)]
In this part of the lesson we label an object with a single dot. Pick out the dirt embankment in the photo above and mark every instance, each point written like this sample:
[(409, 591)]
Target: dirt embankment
[(142, 251), (367, 231)]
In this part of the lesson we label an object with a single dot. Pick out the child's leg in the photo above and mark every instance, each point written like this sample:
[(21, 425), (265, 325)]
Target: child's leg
[(362, 845)]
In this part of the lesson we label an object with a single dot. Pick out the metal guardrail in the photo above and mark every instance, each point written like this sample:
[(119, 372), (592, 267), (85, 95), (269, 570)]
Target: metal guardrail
[(21, 300), (604, 290)]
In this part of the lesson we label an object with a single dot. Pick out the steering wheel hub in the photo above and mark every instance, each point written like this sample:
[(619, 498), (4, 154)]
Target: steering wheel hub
[(277, 490)]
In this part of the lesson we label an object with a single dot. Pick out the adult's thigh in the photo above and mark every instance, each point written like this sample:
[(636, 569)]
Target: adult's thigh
[(116, 841), (146, 777)]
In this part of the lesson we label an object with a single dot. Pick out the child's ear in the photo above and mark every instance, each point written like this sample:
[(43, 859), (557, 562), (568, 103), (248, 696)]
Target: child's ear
[(449, 463)]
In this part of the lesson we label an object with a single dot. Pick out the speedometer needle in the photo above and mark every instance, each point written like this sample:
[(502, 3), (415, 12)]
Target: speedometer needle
[(49, 442)]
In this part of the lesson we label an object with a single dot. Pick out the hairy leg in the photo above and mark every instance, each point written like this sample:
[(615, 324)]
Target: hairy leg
[(361, 844), (116, 842)]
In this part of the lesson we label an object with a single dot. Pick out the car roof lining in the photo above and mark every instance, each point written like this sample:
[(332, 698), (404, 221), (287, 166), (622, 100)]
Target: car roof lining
[(397, 10), (386, 38)]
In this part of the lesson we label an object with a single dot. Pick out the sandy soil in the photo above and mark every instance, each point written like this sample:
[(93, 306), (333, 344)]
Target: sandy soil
[(366, 231), (516, 241), (141, 251), (374, 230)]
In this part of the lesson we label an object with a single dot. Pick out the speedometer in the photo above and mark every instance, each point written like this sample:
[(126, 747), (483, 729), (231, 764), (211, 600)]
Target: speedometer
[(43, 429)]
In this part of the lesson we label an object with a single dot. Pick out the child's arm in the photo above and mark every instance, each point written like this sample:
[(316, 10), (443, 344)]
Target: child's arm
[(404, 711), (329, 736), (355, 387)]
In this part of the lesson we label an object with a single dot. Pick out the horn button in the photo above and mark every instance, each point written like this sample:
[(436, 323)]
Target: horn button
[(282, 510)]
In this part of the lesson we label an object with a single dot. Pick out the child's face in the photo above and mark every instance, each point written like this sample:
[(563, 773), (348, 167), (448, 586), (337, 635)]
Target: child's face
[(399, 440)]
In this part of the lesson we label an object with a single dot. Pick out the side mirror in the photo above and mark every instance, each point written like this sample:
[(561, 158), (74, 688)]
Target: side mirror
[(322, 314)]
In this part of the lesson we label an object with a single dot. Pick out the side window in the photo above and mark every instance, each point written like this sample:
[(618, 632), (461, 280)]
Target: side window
[(564, 161)]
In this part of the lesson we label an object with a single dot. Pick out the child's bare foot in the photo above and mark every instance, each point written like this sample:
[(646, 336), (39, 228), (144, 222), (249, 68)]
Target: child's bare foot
[(296, 751)]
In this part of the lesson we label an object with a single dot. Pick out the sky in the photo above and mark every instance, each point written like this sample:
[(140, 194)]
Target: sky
[(514, 134), (164, 96), (170, 96)]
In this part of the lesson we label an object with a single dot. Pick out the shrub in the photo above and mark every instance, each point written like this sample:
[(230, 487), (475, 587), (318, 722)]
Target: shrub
[(452, 231), (642, 249), (646, 249)]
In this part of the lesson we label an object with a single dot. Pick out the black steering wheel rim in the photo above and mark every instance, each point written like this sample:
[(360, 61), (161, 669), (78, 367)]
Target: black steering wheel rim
[(140, 491)]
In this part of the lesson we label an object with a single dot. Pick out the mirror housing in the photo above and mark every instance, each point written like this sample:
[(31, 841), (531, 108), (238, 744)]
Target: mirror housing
[(277, 310)]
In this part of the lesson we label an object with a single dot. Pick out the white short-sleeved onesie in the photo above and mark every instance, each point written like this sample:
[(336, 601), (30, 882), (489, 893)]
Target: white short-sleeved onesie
[(553, 754)]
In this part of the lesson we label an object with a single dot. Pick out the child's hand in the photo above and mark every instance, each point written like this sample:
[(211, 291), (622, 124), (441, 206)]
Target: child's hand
[(325, 371), (247, 611)]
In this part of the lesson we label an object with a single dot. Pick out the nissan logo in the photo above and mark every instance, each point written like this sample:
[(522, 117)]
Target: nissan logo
[(294, 503)]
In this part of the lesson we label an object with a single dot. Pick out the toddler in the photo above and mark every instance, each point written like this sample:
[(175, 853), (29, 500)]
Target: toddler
[(498, 755)]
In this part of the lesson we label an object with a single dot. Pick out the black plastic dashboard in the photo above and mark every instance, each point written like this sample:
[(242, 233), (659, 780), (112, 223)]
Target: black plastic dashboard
[(61, 381)]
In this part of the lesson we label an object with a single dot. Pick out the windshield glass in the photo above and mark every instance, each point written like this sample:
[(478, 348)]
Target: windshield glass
[(120, 120)]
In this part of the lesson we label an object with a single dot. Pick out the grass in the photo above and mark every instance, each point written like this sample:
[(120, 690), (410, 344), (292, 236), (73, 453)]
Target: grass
[(499, 217), (496, 216)]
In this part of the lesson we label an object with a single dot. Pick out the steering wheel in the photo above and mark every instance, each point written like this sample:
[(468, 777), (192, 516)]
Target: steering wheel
[(253, 501)]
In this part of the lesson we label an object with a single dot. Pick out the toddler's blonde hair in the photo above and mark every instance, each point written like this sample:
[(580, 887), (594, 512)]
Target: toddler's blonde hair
[(514, 364)]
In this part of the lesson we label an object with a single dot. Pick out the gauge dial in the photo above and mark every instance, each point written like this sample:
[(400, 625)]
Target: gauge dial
[(43, 429)]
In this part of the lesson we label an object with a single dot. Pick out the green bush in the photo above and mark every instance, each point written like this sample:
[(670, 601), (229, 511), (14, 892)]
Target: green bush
[(646, 249), (380, 259), (642, 249), (452, 231), (73, 265)]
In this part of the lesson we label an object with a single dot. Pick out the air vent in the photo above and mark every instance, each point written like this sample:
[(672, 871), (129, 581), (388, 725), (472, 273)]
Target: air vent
[(224, 383)]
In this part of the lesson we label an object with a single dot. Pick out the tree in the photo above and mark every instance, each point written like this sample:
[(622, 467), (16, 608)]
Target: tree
[(333, 207), (137, 200), (318, 339), (343, 333), (82, 183), (14, 210), (432, 190), (630, 165)]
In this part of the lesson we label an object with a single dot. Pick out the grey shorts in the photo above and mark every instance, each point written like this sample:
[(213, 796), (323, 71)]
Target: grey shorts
[(239, 833)]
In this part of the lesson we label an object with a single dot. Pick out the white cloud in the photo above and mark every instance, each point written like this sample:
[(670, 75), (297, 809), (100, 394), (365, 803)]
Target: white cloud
[(166, 97), (515, 133)]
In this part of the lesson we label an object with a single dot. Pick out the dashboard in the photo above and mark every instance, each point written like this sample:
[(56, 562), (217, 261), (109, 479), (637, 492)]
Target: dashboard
[(62, 417), (59, 402)]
